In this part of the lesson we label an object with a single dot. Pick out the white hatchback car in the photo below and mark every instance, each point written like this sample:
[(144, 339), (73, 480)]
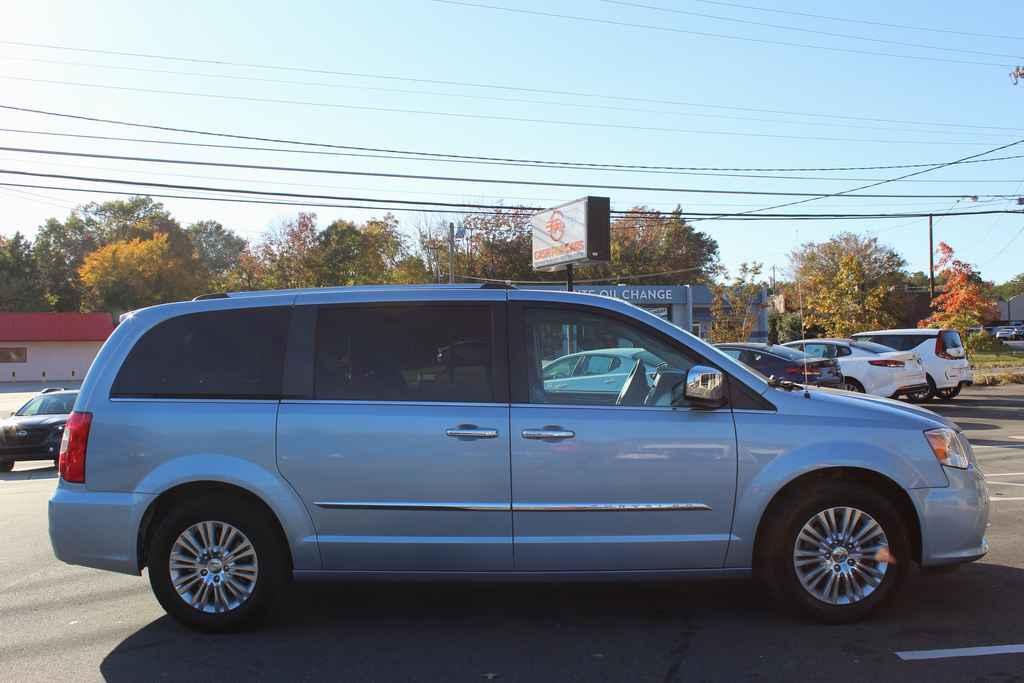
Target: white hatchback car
[(942, 352), (870, 368)]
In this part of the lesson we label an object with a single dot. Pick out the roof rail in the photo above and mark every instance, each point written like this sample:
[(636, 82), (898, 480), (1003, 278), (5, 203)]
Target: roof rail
[(215, 295), (498, 285)]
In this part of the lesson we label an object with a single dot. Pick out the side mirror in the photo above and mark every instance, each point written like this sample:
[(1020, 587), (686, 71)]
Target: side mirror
[(705, 387)]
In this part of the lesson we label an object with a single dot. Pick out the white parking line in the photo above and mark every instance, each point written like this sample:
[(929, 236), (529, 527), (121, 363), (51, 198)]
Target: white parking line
[(1005, 474), (1003, 483), (913, 655), (1000, 498)]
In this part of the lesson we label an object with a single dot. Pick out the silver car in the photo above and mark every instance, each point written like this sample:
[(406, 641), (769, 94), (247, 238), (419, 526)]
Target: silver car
[(233, 443)]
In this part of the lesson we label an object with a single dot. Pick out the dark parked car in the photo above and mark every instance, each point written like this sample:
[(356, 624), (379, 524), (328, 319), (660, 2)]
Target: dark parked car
[(34, 431), (786, 363)]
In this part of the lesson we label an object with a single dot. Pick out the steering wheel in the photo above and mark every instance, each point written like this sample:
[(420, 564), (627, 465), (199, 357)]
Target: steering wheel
[(634, 391)]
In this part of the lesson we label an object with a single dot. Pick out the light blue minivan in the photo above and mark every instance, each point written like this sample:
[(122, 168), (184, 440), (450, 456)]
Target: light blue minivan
[(235, 442)]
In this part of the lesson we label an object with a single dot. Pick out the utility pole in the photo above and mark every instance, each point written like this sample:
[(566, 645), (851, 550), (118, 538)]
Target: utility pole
[(451, 253), (931, 260)]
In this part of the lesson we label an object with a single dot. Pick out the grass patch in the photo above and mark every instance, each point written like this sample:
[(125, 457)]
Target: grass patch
[(989, 360), (997, 378)]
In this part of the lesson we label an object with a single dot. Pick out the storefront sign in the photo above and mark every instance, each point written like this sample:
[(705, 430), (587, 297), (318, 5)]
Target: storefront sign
[(577, 232), (637, 294)]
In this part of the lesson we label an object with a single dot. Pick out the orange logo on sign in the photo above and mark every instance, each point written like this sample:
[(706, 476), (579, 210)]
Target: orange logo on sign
[(555, 226)]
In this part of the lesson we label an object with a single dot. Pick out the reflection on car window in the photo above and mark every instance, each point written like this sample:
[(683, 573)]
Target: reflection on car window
[(582, 358)]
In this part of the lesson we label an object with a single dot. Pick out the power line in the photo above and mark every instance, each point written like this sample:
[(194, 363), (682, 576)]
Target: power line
[(500, 86), (616, 278), (464, 115), (473, 161), (891, 180), (859, 21), (385, 150), (493, 98), (494, 208), (705, 34), (750, 22), (500, 181)]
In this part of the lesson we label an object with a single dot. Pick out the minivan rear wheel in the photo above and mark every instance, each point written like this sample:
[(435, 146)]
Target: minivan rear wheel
[(837, 553), (215, 564)]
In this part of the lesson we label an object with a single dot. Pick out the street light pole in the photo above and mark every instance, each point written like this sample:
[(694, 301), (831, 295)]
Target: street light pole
[(451, 253), (931, 260)]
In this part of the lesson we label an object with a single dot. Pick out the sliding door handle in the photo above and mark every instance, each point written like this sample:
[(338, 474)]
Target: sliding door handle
[(549, 434), (471, 432)]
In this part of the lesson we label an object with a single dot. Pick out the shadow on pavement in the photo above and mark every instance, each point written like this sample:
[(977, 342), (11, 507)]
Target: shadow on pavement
[(564, 632), (30, 474)]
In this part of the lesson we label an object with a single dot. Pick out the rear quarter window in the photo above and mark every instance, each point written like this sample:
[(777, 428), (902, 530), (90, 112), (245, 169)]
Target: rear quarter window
[(215, 354), (951, 339)]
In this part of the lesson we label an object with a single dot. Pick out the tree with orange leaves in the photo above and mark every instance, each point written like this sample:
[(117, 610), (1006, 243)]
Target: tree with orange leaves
[(964, 302)]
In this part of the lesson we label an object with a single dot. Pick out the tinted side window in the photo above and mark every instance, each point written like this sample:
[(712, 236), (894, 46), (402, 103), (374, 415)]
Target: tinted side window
[(819, 350), (405, 353), (600, 365), (216, 354)]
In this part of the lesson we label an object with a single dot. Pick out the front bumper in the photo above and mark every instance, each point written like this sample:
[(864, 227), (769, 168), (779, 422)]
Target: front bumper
[(97, 528), (954, 518), (44, 452)]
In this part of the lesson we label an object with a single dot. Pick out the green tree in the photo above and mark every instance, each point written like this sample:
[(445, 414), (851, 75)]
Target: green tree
[(216, 248), (20, 285), (735, 306), (849, 283), (59, 250), (1010, 288)]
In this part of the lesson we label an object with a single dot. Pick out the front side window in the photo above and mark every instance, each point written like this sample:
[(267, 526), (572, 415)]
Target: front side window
[(622, 363), (405, 353), (234, 354)]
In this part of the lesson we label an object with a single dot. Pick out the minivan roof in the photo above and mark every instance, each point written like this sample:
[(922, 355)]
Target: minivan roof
[(349, 288)]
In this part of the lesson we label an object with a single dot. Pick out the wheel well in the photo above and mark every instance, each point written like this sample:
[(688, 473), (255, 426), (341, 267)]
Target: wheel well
[(879, 482), (193, 490)]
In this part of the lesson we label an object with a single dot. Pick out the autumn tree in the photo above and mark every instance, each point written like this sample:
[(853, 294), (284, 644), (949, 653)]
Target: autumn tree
[(650, 242), (849, 283), (735, 307), (964, 301), (129, 274), (20, 285)]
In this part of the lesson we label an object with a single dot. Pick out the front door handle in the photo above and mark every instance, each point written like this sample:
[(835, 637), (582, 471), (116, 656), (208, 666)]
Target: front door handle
[(471, 432), (549, 434)]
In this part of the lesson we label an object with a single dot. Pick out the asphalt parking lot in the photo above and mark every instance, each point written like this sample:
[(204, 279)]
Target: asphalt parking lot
[(71, 623)]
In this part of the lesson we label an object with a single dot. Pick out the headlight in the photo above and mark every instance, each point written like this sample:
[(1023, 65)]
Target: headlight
[(947, 447)]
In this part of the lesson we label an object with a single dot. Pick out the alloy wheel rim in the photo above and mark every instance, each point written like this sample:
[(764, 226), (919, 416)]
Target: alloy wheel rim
[(213, 567), (841, 555)]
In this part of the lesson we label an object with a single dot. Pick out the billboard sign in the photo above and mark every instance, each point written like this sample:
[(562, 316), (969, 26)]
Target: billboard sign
[(577, 232)]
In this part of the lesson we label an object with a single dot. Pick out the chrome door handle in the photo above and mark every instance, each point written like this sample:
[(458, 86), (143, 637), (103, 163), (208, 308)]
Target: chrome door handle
[(471, 433), (554, 434)]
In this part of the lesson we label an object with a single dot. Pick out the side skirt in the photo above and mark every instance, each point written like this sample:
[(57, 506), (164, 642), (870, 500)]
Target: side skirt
[(525, 576)]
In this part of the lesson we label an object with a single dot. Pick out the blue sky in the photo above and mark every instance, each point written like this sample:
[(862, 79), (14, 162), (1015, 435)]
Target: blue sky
[(659, 97)]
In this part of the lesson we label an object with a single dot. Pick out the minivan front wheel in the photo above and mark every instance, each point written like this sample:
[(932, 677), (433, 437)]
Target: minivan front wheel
[(216, 565), (839, 553)]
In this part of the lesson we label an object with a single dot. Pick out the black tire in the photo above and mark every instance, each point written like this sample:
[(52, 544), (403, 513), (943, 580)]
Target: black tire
[(776, 549), (850, 384), (949, 394), (926, 395), (6, 465), (56, 463), (250, 519)]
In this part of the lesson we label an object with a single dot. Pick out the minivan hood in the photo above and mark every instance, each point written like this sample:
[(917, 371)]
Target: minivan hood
[(867, 405)]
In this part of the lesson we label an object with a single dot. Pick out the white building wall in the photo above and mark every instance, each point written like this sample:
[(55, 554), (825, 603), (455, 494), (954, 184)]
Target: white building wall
[(59, 361)]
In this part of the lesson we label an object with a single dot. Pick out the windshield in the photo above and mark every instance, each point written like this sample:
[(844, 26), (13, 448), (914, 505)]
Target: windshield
[(872, 347), (57, 404)]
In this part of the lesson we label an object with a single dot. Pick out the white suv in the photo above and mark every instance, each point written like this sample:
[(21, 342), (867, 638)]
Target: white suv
[(941, 351)]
